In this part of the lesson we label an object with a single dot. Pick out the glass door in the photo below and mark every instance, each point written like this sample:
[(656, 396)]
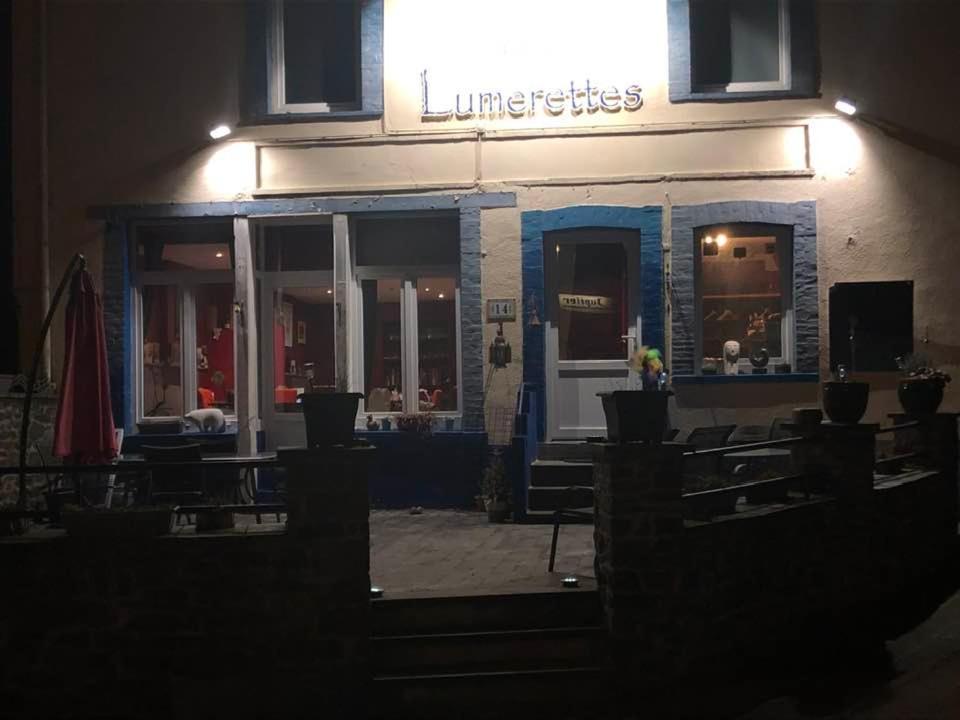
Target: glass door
[(592, 324)]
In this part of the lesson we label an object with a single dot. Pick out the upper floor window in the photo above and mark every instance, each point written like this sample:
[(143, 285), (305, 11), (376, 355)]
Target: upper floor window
[(741, 49), (324, 58), (315, 59)]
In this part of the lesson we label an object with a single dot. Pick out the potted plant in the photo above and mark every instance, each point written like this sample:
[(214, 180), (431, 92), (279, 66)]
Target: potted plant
[(495, 489), (639, 415), (416, 423), (330, 417), (845, 401), (921, 389)]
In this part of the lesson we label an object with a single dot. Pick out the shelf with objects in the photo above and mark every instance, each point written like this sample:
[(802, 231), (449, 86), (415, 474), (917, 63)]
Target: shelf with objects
[(743, 306)]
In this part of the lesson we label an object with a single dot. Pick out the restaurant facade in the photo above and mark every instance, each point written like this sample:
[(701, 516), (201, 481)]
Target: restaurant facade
[(409, 187)]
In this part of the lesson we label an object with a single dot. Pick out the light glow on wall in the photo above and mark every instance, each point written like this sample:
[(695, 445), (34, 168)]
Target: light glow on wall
[(229, 171), (835, 147)]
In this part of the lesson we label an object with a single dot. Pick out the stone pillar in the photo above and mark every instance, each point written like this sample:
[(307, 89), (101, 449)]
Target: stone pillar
[(328, 532), (838, 459), (638, 527)]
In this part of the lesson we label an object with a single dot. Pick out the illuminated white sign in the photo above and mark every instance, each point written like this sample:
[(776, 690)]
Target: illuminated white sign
[(575, 98)]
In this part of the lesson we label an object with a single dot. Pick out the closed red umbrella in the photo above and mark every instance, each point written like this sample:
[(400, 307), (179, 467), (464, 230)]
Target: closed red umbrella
[(84, 431)]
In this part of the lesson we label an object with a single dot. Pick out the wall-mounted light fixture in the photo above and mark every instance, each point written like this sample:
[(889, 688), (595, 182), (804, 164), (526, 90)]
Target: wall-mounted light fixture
[(846, 106), (220, 131)]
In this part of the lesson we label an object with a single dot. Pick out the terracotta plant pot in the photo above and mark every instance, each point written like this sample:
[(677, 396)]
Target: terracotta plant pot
[(920, 396), (635, 415), (845, 402), (330, 417)]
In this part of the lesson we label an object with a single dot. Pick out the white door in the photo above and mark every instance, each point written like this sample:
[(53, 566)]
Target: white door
[(592, 324)]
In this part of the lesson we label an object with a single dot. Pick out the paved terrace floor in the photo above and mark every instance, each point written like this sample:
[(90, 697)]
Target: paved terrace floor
[(450, 552)]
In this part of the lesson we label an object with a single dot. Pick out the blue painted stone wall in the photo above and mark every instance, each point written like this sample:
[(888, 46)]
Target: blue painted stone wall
[(116, 320), (534, 223), (471, 320), (802, 216)]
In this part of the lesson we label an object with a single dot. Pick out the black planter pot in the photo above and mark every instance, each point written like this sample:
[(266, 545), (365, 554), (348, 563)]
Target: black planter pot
[(845, 402), (330, 417), (635, 415), (920, 396)]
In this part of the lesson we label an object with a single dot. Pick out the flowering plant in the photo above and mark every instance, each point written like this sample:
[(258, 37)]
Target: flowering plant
[(419, 423), (649, 363), (917, 366)]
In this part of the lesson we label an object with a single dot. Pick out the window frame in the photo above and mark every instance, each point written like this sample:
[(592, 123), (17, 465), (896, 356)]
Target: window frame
[(186, 283), (798, 61), (277, 101), (409, 328), (785, 260), (261, 102)]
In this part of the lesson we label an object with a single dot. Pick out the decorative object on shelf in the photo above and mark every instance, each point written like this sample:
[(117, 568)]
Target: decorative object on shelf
[(495, 489), (731, 357), (386, 423), (759, 361), (711, 366), (635, 415), (415, 423), (844, 400), (921, 389), (286, 316), (210, 420), (372, 424), (329, 417)]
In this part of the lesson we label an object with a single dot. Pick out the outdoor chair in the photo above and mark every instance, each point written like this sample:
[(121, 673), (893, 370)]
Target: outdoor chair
[(176, 485), (706, 438)]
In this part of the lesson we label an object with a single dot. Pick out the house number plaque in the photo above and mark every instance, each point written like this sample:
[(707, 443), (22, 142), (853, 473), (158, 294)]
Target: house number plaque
[(503, 310)]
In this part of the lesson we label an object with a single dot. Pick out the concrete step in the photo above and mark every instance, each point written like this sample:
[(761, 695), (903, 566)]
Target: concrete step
[(560, 473), (556, 498), (440, 615), (562, 693), (546, 648), (565, 450)]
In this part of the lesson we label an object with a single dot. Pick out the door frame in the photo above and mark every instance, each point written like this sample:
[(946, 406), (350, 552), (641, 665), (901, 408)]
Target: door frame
[(555, 367), (648, 220)]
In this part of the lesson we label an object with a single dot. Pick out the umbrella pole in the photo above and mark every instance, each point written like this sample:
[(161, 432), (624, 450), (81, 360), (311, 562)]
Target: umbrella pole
[(79, 262)]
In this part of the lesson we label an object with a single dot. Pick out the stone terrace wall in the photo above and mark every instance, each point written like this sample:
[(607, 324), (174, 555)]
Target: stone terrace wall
[(43, 410), (841, 571), (257, 625)]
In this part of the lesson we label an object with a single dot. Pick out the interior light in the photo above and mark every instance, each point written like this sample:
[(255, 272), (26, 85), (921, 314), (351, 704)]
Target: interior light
[(708, 240), (440, 296), (846, 106), (220, 131), (721, 240), (426, 289), (219, 254), (329, 292)]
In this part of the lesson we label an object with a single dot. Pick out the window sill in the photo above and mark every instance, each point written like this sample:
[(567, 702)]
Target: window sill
[(745, 379), (333, 116), (745, 96)]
